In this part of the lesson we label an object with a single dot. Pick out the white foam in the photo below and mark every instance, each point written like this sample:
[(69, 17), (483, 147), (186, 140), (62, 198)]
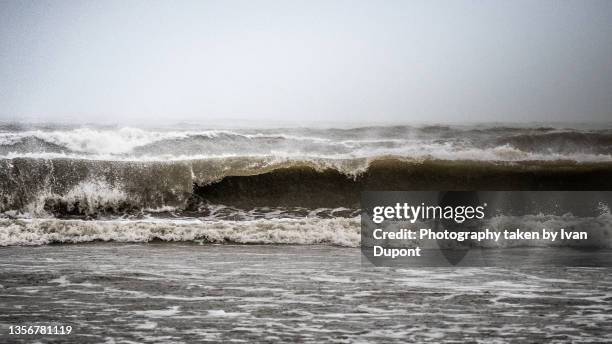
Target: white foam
[(62, 281), (222, 313), (308, 230), (159, 313), (90, 194), (120, 145), (89, 140), (336, 231), (147, 325), (422, 152)]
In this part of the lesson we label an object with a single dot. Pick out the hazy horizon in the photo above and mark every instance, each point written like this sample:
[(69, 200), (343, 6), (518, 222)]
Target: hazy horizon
[(305, 62)]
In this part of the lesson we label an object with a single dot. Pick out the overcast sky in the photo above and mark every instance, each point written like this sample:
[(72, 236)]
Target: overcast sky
[(345, 61)]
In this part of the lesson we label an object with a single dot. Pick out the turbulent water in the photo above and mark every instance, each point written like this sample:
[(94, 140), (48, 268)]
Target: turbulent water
[(293, 196), (485, 142), (184, 293), (299, 185)]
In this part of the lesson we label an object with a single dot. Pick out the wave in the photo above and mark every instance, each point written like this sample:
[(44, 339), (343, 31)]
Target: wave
[(561, 142), (293, 185), (89, 140), (428, 142), (85, 188)]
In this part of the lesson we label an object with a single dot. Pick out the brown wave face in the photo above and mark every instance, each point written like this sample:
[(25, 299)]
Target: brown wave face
[(84, 188), (307, 187)]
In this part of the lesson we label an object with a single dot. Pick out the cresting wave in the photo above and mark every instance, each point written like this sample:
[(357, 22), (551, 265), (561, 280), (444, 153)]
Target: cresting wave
[(427, 142), (91, 189), (301, 186)]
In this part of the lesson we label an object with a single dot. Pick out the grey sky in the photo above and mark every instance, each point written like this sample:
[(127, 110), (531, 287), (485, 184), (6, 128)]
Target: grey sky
[(361, 61)]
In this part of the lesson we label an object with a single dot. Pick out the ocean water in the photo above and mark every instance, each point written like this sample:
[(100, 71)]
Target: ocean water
[(189, 293), (61, 184), (189, 234)]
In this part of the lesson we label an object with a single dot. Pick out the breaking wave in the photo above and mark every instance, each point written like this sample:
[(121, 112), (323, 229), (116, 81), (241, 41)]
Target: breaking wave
[(93, 189), (299, 185), (428, 142)]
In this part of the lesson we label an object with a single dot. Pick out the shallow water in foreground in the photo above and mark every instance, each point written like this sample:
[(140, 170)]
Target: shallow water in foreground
[(180, 293)]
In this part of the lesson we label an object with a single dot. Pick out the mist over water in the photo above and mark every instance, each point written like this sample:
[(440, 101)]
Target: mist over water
[(475, 142)]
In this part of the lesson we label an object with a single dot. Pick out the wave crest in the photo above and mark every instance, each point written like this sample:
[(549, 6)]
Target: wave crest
[(429, 142), (86, 188)]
